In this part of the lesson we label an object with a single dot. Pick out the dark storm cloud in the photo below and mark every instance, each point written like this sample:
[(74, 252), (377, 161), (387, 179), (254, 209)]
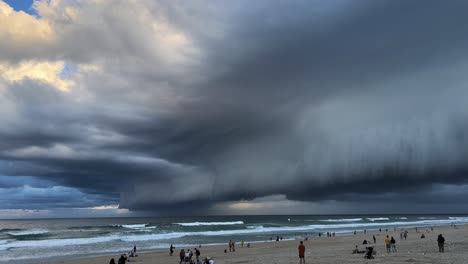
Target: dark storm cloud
[(307, 99)]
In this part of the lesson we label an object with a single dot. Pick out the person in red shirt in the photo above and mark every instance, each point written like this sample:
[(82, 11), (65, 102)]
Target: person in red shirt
[(301, 249)]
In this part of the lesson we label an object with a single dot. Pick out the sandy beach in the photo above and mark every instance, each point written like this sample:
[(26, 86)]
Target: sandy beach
[(327, 250)]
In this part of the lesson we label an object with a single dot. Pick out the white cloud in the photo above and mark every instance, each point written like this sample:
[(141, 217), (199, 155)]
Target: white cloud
[(20, 28)]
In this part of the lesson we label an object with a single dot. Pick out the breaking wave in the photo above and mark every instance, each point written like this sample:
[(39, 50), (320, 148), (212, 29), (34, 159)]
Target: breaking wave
[(210, 223)]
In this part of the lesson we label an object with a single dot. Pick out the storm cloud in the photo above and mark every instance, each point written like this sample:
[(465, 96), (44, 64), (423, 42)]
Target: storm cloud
[(162, 105)]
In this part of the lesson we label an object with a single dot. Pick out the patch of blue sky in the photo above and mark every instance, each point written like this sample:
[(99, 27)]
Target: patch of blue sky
[(67, 71), (22, 5)]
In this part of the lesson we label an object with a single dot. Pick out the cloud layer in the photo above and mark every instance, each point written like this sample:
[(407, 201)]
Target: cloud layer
[(163, 105)]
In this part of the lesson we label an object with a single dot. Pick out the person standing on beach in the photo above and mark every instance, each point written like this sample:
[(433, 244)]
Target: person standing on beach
[(387, 244), (182, 255), (230, 245), (393, 244), (375, 240), (441, 242), (171, 250), (301, 250), (197, 254)]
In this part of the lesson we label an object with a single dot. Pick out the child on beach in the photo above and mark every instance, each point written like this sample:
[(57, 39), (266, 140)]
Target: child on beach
[(301, 250)]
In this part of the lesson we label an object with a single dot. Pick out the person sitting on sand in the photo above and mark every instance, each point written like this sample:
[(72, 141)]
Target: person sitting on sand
[(423, 236), (209, 260), (364, 242), (301, 250), (112, 261), (122, 259), (357, 251)]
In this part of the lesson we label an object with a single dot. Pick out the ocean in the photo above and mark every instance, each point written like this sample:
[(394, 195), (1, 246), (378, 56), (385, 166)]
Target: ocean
[(47, 240)]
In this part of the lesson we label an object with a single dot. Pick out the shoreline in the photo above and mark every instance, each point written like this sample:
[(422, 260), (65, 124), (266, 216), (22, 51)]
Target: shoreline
[(343, 243)]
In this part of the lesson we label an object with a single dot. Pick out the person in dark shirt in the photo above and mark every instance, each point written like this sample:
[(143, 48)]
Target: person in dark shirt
[(441, 242)]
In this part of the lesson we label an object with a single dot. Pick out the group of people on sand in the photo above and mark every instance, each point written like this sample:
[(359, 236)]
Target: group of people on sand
[(390, 243), (187, 255), (125, 258), (404, 235)]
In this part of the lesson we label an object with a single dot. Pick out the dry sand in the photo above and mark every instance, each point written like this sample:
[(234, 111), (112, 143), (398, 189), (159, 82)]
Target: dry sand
[(327, 250)]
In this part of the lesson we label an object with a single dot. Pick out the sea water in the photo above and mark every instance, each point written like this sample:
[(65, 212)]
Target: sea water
[(47, 240)]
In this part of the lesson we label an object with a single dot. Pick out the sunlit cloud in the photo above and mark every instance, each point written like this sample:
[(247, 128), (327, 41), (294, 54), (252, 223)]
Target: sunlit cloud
[(46, 72), (20, 28)]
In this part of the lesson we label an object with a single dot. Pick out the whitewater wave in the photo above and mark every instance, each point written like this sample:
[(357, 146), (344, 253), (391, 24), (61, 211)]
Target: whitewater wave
[(339, 228), (378, 219), (341, 220), (459, 218), (136, 226), (403, 218), (28, 232), (210, 223)]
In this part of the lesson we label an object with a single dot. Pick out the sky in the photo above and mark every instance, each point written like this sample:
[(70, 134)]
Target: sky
[(139, 108)]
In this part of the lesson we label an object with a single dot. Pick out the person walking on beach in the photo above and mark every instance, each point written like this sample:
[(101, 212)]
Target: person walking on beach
[(301, 250), (441, 242), (230, 245), (387, 244), (393, 244), (375, 240), (171, 250)]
